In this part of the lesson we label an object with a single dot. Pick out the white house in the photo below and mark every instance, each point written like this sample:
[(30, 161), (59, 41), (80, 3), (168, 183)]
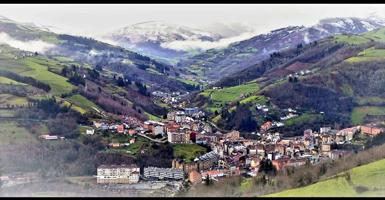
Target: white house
[(90, 132)]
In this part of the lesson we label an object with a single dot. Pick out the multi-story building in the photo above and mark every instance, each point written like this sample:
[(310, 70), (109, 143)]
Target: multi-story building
[(178, 137), (370, 130), (163, 173), (118, 174), (203, 162)]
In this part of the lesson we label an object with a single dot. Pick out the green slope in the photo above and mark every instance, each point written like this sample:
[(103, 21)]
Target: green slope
[(370, 178)]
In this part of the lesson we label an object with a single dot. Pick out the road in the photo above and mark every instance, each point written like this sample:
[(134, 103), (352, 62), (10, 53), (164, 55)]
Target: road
[(215, 126), (158, 141)]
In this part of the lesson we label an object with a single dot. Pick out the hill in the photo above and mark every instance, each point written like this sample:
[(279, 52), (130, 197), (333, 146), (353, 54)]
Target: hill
[(217, 63), (95, 53), (363, 181), (27, 77), (338, 80), (160, 40)]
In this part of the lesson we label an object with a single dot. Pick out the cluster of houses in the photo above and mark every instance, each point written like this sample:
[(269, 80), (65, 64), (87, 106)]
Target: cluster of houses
[(180, 127), (231, 154), (173, 99)]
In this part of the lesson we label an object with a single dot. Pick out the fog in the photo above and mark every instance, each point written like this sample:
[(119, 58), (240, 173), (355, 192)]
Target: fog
[(32, 45), (205, 45)]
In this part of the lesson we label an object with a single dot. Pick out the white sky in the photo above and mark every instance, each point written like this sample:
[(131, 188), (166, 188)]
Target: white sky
[(95, 19)]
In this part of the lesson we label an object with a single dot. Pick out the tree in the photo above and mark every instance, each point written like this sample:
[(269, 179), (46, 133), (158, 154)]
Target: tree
[(121, 82), (290, 79), (216, 113), (208, 180), (99, 67), (63, 125), (77, 79), (94, 74)]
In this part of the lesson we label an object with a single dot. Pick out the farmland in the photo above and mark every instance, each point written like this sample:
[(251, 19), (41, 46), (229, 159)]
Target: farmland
[(12, 100), (220, 97), (368, 55), (12, 133), (359, 113), (188, 151), (5, 80), (306, 117), (82, 102)]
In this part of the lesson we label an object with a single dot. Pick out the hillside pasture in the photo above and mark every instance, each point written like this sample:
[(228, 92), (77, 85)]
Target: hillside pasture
[(7, 81), (12, 100), (359, 113), (369, 54), (366, 180), (59, 84), (12, 133), (188, 151), (220, 97)]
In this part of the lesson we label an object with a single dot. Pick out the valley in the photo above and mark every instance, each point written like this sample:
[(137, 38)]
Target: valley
[(294, 112)]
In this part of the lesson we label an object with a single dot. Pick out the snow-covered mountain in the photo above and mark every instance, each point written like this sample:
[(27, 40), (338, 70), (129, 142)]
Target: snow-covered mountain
[(156, 38), (216, 63)]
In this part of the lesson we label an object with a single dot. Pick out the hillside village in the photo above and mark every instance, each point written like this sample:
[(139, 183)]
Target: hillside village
[(138, 126), (231, 154)]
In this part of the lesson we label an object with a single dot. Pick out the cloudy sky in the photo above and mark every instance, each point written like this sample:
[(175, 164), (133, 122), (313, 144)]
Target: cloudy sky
[(96, 19)]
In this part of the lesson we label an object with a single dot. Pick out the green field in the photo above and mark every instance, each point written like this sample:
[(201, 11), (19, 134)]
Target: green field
[(368, 55), (33, 67), (74, 107), (306, 117), (152, 117), (59, 84), (257, 99), (222, 96), (187, 81), (376, 35), (12, 133), (359, 113), (132, 149), (9, 99), (82, 102), (370, 176), (351, 39), (370, 100), (7, 112), (7, 81), (188, 151)]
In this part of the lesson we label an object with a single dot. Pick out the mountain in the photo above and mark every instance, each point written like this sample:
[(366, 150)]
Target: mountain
[(336, 80), (137, 67), (158, 39), (216, 63)]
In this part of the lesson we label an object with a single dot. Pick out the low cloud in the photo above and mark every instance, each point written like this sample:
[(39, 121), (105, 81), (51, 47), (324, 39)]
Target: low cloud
[(31, 45), (187, 45)]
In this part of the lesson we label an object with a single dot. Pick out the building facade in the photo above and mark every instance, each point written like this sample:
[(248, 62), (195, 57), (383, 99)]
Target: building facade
[(163, 173), (118, 174)]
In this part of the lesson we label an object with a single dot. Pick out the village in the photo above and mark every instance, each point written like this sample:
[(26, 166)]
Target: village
[(229, 155)]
